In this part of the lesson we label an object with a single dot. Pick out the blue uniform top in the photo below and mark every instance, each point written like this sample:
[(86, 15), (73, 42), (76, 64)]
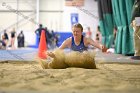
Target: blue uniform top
[(81, 47)]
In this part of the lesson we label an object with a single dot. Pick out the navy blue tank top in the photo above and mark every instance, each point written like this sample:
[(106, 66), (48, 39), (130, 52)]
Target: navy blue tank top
[(81, 47)]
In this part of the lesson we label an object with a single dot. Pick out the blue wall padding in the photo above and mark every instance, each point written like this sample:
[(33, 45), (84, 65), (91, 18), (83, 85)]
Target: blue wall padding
[(63, 36)]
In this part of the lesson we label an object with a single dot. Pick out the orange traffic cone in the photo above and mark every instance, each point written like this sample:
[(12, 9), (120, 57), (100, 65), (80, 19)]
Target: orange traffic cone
[(42, 46)]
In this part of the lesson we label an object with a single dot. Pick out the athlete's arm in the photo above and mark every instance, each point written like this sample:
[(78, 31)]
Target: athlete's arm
[(66, 43), (93, 43)]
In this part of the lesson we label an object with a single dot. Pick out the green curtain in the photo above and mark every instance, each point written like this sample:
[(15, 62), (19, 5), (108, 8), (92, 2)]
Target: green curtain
[(106, 22), (122, 18)]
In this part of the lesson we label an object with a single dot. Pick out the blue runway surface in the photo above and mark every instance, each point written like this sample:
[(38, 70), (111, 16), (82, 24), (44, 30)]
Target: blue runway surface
[(29, 54), (24, 54)]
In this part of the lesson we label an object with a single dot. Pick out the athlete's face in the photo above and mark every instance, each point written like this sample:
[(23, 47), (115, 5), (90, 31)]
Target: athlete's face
[(77, 32)]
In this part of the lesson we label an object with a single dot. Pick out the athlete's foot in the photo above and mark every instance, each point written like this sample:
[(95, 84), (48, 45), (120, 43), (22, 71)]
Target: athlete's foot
[(43, 63), (51, 54)]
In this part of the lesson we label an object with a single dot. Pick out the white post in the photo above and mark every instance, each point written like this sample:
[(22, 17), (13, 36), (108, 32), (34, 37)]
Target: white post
[(17, 14), (37, 11)]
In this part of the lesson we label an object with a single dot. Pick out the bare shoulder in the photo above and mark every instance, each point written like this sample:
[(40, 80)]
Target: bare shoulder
[(87, 40), (66, 43), (68, 39)]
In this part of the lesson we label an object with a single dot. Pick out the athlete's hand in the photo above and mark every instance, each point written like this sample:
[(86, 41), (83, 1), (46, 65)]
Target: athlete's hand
[(104, 48), (51, 54)]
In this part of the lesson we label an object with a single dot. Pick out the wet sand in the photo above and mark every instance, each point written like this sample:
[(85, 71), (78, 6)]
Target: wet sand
[(23, 77)]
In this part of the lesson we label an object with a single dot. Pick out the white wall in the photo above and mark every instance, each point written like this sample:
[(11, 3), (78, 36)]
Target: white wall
[(53, 14), (85, 17), (57, 15), (9, 18)]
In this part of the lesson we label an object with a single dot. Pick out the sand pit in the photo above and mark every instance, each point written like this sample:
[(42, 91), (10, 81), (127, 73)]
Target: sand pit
[(61, 60), (31, 78)]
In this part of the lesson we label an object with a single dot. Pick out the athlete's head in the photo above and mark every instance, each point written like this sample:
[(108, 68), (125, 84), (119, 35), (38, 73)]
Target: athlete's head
[(77, 29)]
